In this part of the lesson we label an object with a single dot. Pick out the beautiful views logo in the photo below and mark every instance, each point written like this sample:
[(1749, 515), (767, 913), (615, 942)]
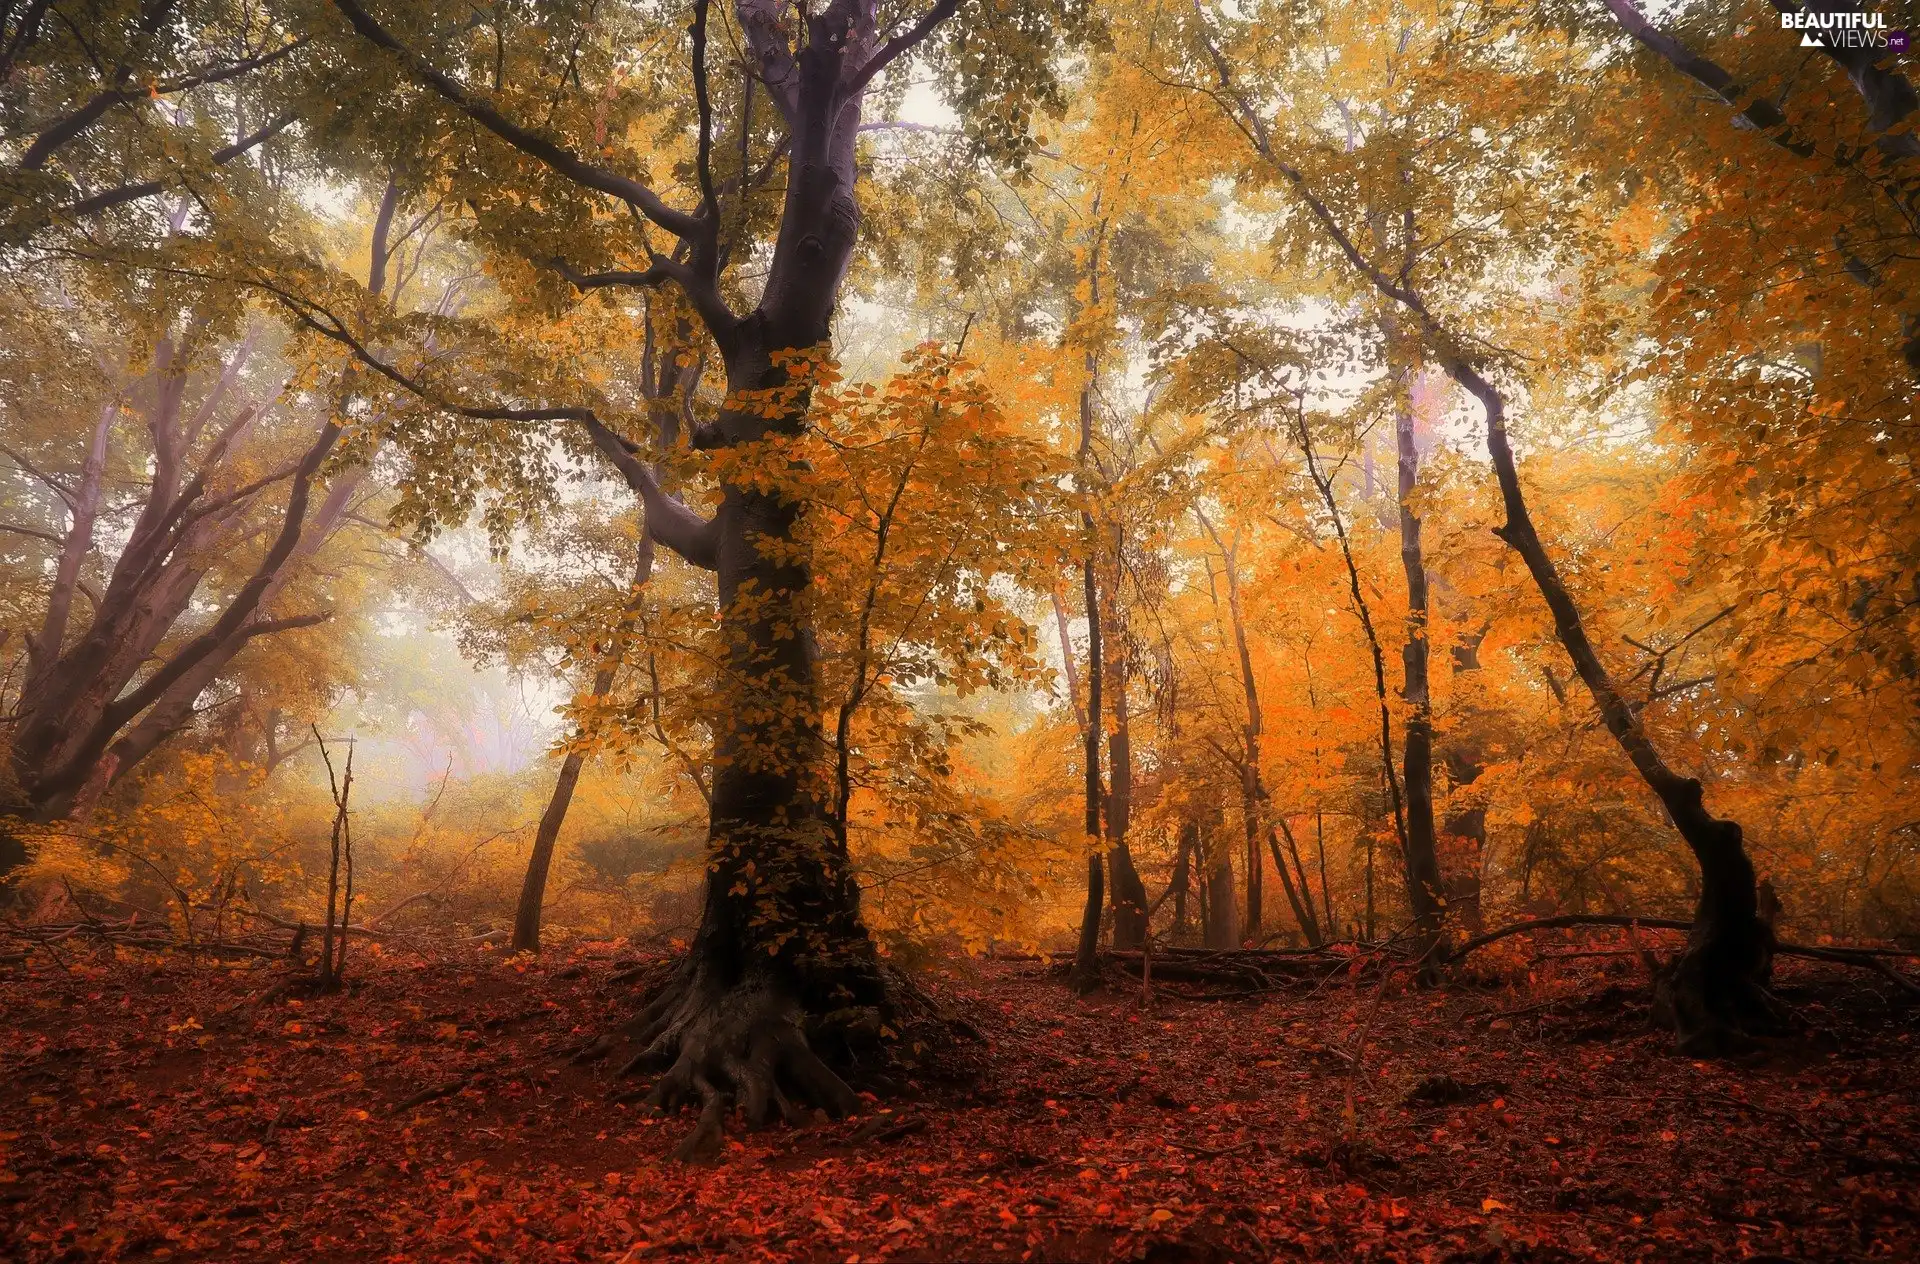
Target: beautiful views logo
[(1843, 30)]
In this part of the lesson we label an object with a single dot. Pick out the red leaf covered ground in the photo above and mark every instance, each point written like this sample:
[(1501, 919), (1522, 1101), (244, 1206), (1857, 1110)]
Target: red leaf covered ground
[(150, 1111)]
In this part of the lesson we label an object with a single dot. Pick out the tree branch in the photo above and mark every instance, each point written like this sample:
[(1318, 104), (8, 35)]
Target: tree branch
[(700, 288), (1761, 115), (66, 129), (1888, 94), (703, 104), (18, 529), (669, 521), (556, 156), (39, 475), (148, 188), (767, 44), (239, 611), (901, 43)]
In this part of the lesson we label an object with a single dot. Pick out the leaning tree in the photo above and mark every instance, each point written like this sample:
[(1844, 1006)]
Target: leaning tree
[(1444, 212)]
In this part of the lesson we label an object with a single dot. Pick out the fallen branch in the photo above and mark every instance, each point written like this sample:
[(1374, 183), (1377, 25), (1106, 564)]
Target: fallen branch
[(885, 1128), (361, 932), (148, 938), (1565, 920), (434, 1093), (1874, 959), (1867, 961)]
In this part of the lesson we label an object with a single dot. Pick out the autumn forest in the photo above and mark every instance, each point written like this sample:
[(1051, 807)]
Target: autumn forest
[(1191, 630)]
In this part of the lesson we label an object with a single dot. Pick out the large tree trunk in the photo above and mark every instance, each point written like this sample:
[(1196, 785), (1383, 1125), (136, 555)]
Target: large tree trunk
[(1221, 911), (782, 961), (782, 966), (1423, 862)]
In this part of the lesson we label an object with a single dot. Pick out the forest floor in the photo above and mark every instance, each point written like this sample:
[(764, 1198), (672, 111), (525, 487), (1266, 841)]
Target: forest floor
[(154, 1108)]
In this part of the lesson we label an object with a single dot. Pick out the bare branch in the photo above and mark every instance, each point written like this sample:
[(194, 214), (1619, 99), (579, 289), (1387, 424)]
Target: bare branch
[(28, 467), (650, 279), (673, 524), (699, 287)]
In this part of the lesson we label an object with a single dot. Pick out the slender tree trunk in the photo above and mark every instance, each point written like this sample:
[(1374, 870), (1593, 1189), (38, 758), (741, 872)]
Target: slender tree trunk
[(1253, 791), (1067, 661), (1128, 893), (1086, 953), (1086, 967), (1251, 861), (1420, 894), (1200, 896), (1466, 825), (1369, 922), (1423, 862), (1294, 880), (533, 889), (668, 386), (1183, 880), (1326, 892)]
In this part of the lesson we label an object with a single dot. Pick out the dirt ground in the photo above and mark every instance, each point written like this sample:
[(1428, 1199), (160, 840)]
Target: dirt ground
[(155, 1108)]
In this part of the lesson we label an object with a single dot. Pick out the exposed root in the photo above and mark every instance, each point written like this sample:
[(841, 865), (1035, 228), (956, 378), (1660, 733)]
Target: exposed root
[(753, 1048)]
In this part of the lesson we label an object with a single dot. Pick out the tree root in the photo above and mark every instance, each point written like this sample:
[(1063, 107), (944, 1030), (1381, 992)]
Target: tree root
[(755, 1049)]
